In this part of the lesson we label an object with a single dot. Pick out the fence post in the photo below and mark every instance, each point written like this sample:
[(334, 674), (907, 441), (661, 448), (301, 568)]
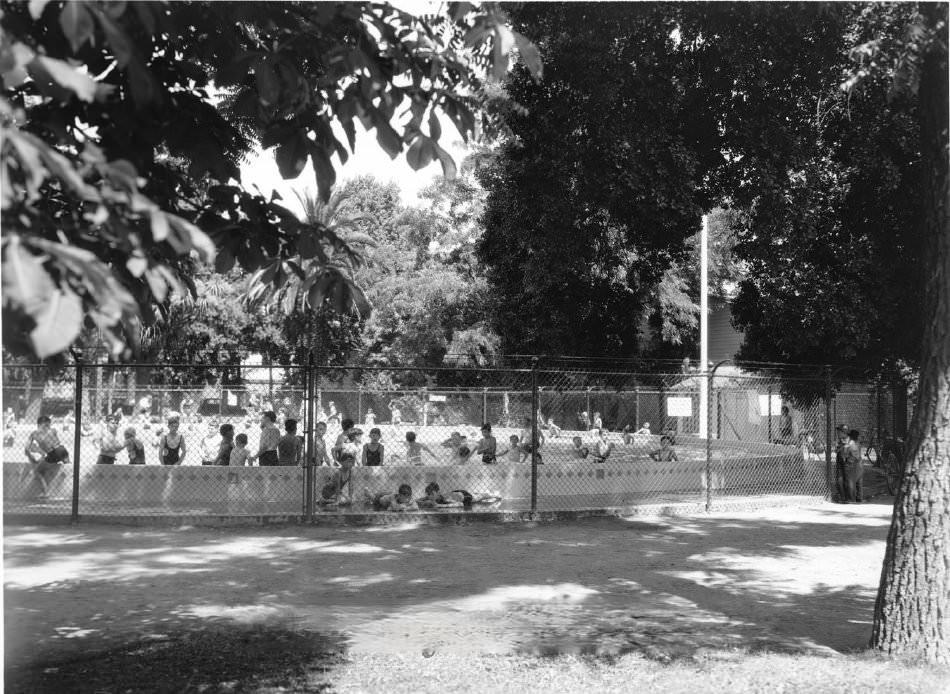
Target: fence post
[(709, 392), (77, 440), (879, 413), (829, 470), (770, 412), (484, 405), (359, 403), (662, 404), (534, 434), (309, 427), (636, 406), (900, 408)]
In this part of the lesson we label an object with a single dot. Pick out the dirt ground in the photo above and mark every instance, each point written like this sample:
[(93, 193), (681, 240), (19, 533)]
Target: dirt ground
[(790, 580)]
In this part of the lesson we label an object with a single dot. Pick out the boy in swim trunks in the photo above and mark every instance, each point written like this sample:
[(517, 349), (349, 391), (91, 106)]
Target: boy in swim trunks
[(44, 450)]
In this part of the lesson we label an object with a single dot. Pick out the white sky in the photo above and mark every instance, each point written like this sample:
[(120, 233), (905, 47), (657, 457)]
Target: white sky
[(369, 158)]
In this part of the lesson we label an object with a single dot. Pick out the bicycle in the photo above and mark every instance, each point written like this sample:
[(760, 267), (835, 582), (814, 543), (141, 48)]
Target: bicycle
[(890, 459)]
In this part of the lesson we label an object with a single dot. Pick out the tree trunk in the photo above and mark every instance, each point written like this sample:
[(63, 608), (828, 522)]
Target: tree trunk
[(912, 614)]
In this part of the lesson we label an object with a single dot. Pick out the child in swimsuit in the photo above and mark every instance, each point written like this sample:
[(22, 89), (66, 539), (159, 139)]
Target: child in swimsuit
[(373, 451), (387, 501), (487, 446), (134, 447), (44, 450), (171, 445)]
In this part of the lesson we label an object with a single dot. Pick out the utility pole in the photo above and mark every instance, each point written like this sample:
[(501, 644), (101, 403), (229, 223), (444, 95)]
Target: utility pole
[(704, 328)]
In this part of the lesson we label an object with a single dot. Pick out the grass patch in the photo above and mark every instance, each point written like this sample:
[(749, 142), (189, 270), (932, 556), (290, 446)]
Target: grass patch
[(733, 672)]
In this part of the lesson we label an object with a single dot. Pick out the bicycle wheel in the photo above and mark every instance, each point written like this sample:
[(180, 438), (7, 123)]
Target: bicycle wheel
[(892, 472)]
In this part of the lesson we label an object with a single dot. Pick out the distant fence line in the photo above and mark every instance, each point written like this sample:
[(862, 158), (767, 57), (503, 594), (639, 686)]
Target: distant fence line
[(757, 434)]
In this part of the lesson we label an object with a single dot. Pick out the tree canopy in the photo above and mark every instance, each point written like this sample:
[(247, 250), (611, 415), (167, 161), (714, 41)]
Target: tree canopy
[(605, 176), (123, 125)]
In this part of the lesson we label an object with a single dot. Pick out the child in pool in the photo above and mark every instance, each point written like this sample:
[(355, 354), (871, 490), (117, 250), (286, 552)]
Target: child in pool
[(579, 451), (514, 453), (665, 452), (414, 450)]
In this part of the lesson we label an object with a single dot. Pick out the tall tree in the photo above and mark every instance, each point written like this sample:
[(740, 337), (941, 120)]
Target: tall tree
[(912, 615), (602, 180)]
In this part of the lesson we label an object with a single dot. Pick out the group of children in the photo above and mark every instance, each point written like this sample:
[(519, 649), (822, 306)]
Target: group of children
[(350, 450), (603, 447), (402, 499)]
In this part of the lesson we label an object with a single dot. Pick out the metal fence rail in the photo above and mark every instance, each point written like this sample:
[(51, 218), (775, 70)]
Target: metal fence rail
[(557, 439)]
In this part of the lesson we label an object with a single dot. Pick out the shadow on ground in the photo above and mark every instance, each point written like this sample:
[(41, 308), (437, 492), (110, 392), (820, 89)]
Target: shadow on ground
[(206, 658), (786, 581)]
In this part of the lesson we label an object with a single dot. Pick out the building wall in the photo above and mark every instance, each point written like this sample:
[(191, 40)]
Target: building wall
[(724, 340)]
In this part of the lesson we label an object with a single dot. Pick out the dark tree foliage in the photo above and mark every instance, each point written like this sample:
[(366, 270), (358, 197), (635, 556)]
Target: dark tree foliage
[(593, 195), (827, 236)]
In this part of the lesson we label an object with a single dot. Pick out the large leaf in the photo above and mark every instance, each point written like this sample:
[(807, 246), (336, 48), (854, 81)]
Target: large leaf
[(529, 55), (77, 24), (325, 173), (59, 79), (58, 324), (120, 44), (268, 84), (292, 154), (420, 153), (26, 284)]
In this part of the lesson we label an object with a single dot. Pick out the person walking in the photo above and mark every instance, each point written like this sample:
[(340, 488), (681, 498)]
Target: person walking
[(840, 484)]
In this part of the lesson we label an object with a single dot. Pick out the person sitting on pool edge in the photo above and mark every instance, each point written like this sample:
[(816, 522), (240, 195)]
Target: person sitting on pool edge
[(387, 501), (665, 452), (579, 451), (44, 450)]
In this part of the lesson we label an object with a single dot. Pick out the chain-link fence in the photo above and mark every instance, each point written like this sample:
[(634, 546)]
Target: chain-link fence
[(140, 440)]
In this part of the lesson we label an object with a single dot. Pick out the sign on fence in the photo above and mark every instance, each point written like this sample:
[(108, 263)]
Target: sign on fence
[(775, 405), (437, 398), (679, 407)]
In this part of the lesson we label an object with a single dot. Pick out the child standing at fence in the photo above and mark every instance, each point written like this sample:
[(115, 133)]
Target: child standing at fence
[(171, 445), (370, 418), (373, 451), (109, 442), (226, 432), (134, 447), (210, 443), (239, 454), (270, 436), (487, 447), (289, 447)]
